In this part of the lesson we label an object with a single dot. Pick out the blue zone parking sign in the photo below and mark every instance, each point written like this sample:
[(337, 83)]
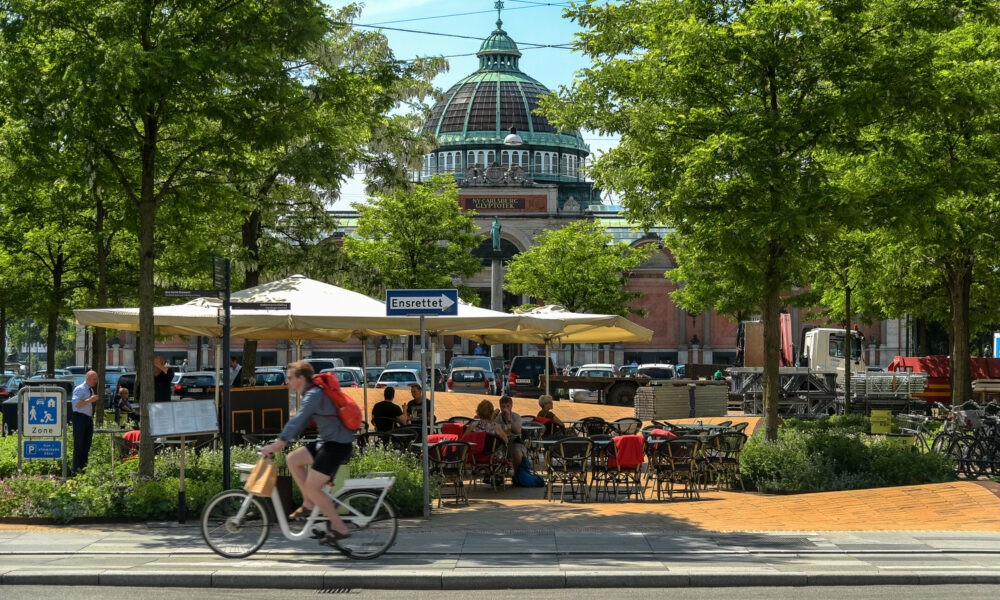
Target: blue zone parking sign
[(42, 449), (42, 414)]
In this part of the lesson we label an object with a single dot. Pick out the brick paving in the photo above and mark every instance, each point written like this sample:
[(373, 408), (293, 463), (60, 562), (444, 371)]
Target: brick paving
[(448, 404), (955, 506)]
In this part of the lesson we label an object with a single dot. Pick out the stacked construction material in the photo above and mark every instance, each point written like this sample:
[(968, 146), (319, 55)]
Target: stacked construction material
[(681, 399)]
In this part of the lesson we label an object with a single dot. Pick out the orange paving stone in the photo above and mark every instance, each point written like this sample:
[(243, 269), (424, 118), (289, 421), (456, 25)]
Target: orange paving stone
[(448, 404), (955, 506)]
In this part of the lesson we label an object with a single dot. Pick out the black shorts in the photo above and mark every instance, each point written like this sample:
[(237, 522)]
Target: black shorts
[(328, 456)]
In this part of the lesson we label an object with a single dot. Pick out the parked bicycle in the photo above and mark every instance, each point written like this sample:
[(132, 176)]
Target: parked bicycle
[(235, 524), (971, 436)]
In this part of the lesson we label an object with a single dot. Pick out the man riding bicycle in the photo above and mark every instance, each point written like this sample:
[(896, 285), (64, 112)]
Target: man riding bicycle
[(325, 455)]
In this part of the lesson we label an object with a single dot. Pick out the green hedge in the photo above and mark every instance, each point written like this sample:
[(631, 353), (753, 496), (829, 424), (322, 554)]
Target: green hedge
[(39, 492), (832, 456)]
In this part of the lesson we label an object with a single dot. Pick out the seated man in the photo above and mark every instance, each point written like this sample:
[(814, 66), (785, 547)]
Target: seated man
[(416, 406), (510, 422), (386, 416)]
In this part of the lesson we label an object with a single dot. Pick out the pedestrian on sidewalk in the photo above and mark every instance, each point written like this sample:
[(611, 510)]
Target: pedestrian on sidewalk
[(84, 397)]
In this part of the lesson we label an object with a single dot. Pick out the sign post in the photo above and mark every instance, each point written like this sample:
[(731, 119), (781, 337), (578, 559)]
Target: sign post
[(422, 303), (42, 418)]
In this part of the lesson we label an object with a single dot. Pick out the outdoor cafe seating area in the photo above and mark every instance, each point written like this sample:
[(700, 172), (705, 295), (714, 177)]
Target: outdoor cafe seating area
[(589, 459)]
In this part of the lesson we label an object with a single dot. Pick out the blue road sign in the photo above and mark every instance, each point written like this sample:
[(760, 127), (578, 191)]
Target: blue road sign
[(42, 414), (428, 303), (42, 449)]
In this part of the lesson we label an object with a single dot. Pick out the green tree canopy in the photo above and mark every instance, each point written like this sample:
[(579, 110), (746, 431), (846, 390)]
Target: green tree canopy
[(722, 108), (411, 239), (579, 267)]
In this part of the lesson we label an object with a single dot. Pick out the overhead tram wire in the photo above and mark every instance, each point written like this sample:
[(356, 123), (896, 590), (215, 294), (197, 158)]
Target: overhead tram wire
[(476, 12), (563, 46)]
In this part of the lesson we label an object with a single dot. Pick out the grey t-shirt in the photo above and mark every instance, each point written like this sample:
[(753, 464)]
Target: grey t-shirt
[(315, 405)]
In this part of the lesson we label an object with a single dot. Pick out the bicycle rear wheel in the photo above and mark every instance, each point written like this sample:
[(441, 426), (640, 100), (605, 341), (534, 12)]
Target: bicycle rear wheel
[(230, 535), (375, 538)]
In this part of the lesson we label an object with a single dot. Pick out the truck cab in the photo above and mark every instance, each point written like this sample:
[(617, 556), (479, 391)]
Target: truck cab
[(824, 349)]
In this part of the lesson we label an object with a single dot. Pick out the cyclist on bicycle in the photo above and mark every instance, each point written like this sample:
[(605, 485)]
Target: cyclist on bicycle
[(325, 455)]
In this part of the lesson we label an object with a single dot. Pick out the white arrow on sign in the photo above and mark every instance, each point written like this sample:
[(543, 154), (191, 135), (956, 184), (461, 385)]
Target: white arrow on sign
[(423, 302)]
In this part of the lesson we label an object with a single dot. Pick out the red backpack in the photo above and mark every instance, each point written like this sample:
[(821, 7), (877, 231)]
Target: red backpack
[(347, 409)]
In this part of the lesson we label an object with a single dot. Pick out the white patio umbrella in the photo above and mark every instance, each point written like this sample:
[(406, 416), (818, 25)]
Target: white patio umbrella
[(570, 328)]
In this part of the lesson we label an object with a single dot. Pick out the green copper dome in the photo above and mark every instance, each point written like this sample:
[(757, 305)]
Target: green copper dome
[(481, 108)]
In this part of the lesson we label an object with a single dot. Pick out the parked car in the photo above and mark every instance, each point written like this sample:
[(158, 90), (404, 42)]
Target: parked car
[(439, 378), (321, 364), (483, 362), (591, 370), (10, 386), (127, 381), (269, 376), (627, 370), (413, 365), (526, 375), (371, 375), (347, 377), (359, 374), (78, 369), (398, 378), (656, 371), (197, 384), (468, 380), (41, 374), (111, 382)]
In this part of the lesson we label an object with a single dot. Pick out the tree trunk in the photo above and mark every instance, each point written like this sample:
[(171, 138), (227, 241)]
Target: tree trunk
[(3, 333), (100, 345), (959, 277), (772, 348), (52, 327), (251, 278), (147, 219), (849, 348)]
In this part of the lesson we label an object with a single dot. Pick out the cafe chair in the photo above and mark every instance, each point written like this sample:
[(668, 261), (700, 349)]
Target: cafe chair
[(448, 462), (676, 463), (566, 463), (623, 466), (723, 458), (488, 459), (591, 426), (372, 438), (626, 425)]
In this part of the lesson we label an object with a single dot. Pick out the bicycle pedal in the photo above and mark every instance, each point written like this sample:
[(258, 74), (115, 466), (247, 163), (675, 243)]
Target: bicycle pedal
[(319, 534)]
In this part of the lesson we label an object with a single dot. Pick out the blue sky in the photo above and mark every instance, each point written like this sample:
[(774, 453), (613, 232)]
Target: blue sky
[(528, 22)]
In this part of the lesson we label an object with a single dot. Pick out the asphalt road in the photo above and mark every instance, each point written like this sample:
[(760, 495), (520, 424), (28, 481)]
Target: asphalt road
[(924, 592)]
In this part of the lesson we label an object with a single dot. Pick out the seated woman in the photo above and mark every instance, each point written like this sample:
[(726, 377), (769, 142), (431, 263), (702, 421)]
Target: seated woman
[(552, 422), (485, 423)]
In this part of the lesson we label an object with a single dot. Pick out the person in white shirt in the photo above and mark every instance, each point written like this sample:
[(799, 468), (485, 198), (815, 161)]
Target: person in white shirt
[(84, 397)]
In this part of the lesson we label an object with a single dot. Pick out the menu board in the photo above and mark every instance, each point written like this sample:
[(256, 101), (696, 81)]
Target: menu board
[(183, 418)]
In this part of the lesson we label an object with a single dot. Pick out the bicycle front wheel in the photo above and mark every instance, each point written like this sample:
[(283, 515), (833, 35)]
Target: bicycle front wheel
[(374, 539), (228, 533)]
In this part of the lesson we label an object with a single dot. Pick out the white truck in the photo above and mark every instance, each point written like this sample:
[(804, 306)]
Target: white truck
[(814, 384)]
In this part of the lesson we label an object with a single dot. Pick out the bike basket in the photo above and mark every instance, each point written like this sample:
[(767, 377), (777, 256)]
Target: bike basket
[(970, 419)]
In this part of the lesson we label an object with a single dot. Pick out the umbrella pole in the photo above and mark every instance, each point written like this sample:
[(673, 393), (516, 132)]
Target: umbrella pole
[(364, 371), (298, 357), (430, 421), (546, 366)]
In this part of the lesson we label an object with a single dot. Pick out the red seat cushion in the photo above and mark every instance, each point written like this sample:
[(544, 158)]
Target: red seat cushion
[(436, 438), (456, 429), (662, 434), (628, 452)]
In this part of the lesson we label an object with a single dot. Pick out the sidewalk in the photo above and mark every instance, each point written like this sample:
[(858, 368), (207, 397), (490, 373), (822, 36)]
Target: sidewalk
[(945, 533)]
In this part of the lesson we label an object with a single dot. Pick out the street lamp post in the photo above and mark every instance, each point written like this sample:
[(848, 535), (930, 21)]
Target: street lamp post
[(496, 256)]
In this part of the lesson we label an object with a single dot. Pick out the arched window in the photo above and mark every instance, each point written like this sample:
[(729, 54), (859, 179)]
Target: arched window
[(547, 162), (481, 158), (470, 159), (538, 163), (490, 157)]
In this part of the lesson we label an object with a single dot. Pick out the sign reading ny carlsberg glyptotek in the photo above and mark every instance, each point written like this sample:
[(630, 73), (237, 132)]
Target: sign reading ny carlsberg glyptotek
[(428, 303)]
